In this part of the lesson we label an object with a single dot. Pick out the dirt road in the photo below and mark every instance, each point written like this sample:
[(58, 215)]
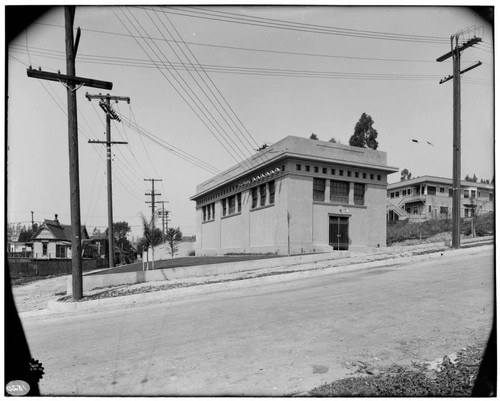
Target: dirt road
[(273, 339)]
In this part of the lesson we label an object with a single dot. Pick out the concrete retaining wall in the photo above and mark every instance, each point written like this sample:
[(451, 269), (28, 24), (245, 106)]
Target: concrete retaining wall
[(108, 280)]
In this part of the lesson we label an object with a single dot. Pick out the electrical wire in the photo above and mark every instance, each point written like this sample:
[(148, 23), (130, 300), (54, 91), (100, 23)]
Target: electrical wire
[(180, 94), (197, 12), (195, 98)]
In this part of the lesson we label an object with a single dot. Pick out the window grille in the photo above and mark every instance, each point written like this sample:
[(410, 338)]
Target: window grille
[(262, 189), (339, 191), (254, 198), (319, 185), (359, 194), (271, 192)]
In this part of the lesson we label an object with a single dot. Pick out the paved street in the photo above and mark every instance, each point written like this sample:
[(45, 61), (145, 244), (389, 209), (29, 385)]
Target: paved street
[(272, 339)]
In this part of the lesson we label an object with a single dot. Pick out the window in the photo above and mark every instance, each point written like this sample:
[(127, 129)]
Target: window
[(324, 170), (466, 193), (466, 212), (283, 167), (262, 190), (254, 197), (348, 173), (356, 174), (224, 207), (270, 184), (473, 194), (443, 210), (450, 192), (298, 167), (392, 194), (308, 168), (231, 204), (239, 202), (371, 176), (379, 177), (339, 191), (316, 169), (333, 171), (430, 208), (364, 175), (490, 197), (44, 249), (404, 192), (431, 190), (441, 190), (319, 189), (204, 208), (408, 191), (359, 194), (397, 194), (341, 172), (60, 251)]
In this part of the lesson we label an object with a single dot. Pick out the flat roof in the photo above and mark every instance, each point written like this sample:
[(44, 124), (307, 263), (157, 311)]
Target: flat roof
[(437, 180), (302, 148)]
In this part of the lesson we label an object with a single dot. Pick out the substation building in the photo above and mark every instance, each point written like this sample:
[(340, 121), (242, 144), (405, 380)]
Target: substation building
[(296, 196)]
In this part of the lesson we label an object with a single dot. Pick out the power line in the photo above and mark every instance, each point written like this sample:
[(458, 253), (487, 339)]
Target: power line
[(177, 90), (186, 87), (248, 149), (196, 12)]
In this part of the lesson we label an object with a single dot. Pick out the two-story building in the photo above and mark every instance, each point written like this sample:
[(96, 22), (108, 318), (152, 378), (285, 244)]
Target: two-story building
[(296, 196), (428, 197)]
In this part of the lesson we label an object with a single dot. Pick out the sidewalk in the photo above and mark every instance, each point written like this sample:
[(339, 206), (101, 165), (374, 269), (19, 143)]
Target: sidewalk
[(178, 289)]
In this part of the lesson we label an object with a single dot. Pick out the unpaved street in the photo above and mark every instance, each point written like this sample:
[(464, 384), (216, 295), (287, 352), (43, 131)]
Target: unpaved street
[(272, 339)]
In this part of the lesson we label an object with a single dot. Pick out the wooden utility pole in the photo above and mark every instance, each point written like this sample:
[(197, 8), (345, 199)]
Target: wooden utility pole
[(105, 104), (152, 194), (164, 217), (455, 54), (72, 83)]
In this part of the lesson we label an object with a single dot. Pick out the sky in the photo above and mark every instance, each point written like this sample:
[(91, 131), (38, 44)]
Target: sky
[(208, 85)]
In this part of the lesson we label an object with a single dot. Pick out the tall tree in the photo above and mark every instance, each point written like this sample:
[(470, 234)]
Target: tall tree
[(314, 136), (405, 175), (173, 237), (365, 136), (332, 140), (120, 231)]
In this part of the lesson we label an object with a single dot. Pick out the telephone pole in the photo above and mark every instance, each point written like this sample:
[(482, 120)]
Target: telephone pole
[(455, 54), (72, 84), (164, 216), (152, 194), (105, 104)]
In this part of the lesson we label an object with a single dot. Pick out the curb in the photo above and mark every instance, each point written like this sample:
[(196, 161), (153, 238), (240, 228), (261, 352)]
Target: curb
[(180, 294)]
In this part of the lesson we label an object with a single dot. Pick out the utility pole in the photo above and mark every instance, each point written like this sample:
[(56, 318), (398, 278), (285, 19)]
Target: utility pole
[(105, 104), (72, 84), (164, 216), (32, 221), (455, 54), (152, 194)]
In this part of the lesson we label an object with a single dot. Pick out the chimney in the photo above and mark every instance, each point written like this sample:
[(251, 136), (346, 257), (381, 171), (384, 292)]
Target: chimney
[(55, 219)]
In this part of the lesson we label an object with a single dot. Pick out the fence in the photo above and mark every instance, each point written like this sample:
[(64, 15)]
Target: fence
[(55, 267)]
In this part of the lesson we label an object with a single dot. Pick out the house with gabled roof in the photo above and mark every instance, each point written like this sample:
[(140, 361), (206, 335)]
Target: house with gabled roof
[(295, 196), (53, 240)]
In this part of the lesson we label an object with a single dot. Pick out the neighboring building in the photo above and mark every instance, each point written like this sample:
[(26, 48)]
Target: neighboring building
[(299, 194), (428, 197), (53, 240), (19, 249)]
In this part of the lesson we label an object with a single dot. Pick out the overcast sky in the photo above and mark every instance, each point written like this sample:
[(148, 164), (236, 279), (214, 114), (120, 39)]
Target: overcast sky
[(262, 73)]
